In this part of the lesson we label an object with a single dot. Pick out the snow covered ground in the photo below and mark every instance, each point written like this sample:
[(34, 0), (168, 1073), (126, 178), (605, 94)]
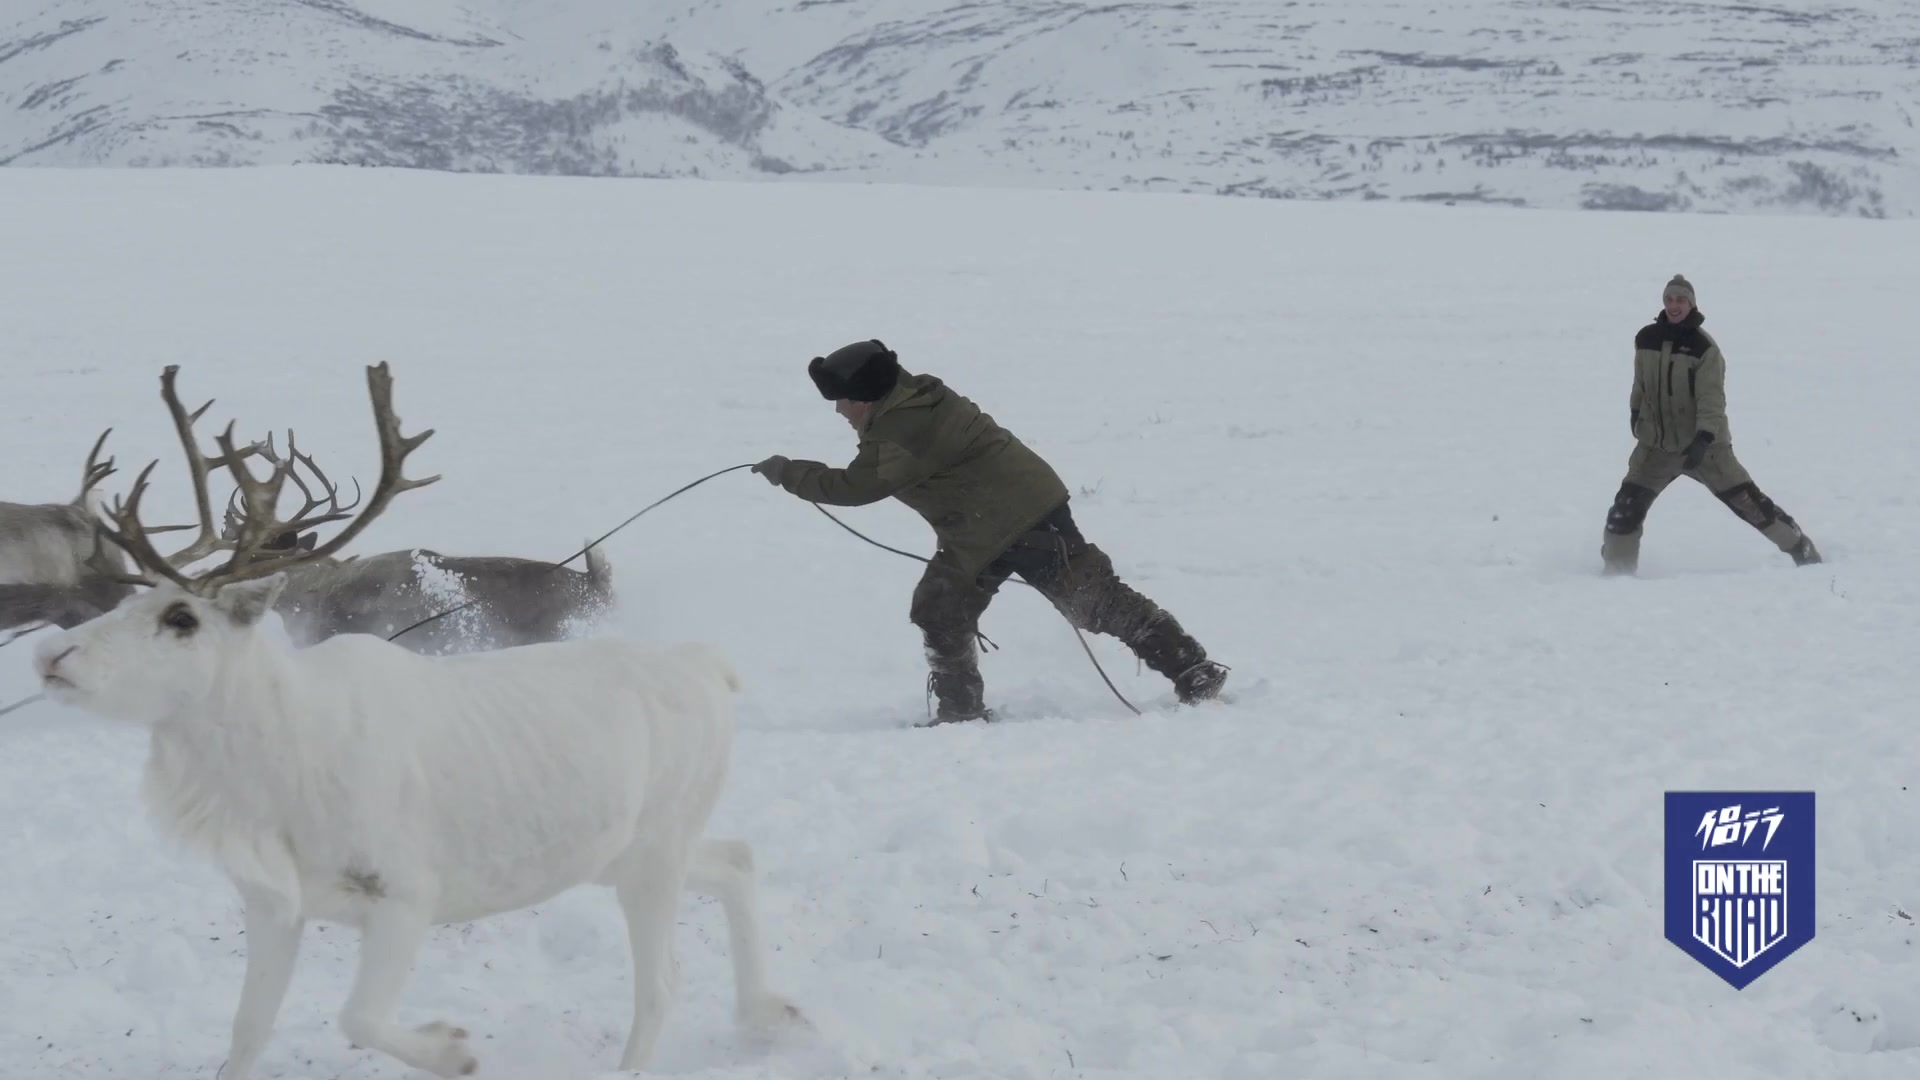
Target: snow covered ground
[(1362, 450)]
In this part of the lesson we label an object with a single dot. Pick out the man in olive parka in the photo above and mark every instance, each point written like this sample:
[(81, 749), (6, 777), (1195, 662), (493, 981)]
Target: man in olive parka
[(1678, 409), (996, 508)]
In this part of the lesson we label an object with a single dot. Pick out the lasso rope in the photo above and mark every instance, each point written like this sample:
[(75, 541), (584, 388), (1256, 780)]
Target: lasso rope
[(906, 554), (682, 490)]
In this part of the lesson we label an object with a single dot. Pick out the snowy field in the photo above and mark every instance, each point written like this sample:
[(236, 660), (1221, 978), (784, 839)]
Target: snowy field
[(1363, 451)]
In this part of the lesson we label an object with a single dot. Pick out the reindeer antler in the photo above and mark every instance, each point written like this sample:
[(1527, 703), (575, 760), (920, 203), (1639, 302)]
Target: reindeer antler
[(132, 537), (106, 568), (286, 533), (95, 469), (259, 497), (198, 468), (336, 512)]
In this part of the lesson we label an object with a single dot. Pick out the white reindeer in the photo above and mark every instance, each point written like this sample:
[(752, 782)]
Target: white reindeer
[(356, 782)]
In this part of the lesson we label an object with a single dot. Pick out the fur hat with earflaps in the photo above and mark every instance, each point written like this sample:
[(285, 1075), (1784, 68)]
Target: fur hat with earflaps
[(862, 371)]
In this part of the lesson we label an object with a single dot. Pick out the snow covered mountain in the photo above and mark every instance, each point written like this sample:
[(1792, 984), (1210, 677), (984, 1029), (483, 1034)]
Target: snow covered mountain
[(422, 83), (1709, 105)]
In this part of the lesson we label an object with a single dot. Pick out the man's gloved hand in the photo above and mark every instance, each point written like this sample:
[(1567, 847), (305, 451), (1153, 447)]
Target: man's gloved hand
[(1697, 450), (774, 468)]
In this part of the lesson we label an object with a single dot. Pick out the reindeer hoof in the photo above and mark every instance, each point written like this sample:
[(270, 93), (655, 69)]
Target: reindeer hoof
[(772, 1011), (451, 1058)]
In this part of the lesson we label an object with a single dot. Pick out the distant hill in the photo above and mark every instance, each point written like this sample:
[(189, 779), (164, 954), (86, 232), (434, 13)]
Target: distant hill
[(1703, 106)]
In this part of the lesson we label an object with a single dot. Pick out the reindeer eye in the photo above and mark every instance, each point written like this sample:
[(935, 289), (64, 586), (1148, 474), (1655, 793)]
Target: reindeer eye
[(180, 618)]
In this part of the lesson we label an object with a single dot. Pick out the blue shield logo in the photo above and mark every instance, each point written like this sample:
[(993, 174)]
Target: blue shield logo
[(1739, 878)]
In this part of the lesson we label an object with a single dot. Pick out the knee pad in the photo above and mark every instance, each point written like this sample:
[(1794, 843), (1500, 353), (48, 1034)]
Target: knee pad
[(1751, 504), (1629, 510)]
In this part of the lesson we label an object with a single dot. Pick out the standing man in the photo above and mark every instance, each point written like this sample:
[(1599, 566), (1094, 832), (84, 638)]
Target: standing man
[(1679, 421), (996, 508)]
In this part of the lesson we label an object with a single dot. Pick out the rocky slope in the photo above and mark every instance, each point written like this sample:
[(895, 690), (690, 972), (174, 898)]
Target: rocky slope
[(1708, 105)]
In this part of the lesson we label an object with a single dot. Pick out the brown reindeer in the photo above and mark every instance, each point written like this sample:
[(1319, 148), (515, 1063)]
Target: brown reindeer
[(51, 543), (501, 601)]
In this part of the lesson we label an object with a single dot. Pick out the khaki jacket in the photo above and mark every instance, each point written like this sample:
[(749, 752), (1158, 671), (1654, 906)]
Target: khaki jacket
[(1679, 385)]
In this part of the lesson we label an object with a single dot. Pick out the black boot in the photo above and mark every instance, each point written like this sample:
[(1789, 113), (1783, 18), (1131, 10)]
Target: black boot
[(960, 696), (1168, 649), (1201, 682)]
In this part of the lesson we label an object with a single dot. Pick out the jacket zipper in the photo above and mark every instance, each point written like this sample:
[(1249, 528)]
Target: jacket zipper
[(1667, 400)]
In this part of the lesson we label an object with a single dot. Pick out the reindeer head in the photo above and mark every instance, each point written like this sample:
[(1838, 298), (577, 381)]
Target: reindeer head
[(167, 647)]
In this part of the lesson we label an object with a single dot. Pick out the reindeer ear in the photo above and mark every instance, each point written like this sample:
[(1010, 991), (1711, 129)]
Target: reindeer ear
[(245, 601)]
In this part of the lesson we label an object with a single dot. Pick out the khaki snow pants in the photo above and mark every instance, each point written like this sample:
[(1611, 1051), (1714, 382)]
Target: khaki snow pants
[(1651, 470)]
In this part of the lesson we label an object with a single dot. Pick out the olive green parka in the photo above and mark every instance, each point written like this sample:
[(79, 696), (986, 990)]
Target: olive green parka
[(927, 445)]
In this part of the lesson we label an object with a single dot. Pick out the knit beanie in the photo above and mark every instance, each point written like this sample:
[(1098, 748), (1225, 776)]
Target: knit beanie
[(862, 371), (1677, 286)]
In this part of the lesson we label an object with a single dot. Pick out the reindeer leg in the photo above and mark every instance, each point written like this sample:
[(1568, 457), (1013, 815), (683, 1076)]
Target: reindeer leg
[(273, 944), (648, 888), (723, 869), (390, 938)]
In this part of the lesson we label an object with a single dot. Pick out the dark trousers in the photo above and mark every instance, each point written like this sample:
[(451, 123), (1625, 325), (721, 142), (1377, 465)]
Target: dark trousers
[(1077, 577)]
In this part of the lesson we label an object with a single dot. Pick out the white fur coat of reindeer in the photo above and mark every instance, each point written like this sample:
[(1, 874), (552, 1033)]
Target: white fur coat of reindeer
[(358, 783)]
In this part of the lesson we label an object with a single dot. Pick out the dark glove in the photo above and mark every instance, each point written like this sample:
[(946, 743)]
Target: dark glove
[(774, 468), (1697, 450)]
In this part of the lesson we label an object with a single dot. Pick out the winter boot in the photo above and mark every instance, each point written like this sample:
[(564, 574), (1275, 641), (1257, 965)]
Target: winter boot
[(1619, 554), (1804, 553), (1201, 682), (960, 696), (1168, 649)]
